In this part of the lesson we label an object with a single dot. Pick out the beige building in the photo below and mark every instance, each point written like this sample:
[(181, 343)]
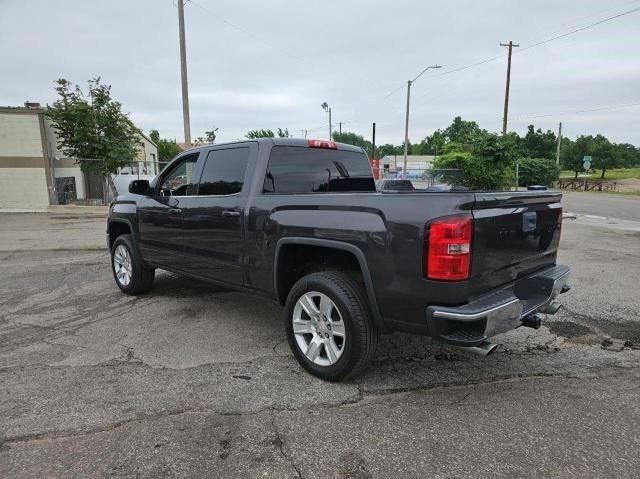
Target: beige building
[(35, 174), (26, 176)]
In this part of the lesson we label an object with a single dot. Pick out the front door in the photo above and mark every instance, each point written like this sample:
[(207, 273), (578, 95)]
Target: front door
[(160, 216), (213, 218)]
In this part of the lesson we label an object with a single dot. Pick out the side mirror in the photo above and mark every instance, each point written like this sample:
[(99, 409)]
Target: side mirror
[(139, 187)]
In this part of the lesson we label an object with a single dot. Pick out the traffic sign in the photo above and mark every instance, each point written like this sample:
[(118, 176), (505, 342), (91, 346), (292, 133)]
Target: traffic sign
[(586, 162)]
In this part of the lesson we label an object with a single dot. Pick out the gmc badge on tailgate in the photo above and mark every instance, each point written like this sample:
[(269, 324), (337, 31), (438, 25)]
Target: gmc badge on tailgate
[(529, 221)]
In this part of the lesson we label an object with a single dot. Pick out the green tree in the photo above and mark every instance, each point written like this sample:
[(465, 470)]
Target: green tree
[(485, 164), (462, 132), (167, 149), (351, 138), (210, 135), (92, 129), (572, 153), (629, 155), (536, 144), (537, 171), (605, 154), (283, 133), (432, 144), (208, 138), (388, 149)]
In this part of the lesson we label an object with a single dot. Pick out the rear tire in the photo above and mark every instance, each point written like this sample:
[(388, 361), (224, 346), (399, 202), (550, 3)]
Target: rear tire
[(131, 274), (328, 326)]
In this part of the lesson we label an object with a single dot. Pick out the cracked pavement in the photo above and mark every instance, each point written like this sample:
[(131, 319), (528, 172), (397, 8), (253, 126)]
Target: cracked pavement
[(193, 380)]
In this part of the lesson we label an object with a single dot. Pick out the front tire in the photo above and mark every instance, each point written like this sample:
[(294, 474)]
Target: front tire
[(328, 326), (131, 274)]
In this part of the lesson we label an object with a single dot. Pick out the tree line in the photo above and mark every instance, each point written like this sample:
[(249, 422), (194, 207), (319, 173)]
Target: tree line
[(92, 128), (487, 160)]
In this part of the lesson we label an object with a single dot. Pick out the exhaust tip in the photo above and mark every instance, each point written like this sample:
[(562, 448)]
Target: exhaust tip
[(484, 349)]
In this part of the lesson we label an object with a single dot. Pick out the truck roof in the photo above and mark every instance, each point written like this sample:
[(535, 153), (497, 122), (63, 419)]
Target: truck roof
[(304, 142)]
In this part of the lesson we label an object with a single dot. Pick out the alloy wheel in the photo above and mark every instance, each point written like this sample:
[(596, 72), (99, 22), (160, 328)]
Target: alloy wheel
[(319, 329)]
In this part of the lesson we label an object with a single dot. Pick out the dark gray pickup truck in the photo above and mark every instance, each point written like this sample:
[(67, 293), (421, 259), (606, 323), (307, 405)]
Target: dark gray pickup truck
[(300, 222)]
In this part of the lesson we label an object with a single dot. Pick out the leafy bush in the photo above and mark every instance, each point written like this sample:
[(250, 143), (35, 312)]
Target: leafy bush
[(485, 165), (537, 171)]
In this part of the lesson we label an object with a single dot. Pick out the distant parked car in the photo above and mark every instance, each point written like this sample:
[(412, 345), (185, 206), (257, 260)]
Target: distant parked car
[(394, 185)]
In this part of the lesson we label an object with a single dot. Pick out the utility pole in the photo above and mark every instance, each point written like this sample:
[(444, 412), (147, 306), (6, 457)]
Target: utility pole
[(373, 141), (559, 143), (506, 93), (340, 127), (406, 120), (330, 127), (304, 132), (183, 72)]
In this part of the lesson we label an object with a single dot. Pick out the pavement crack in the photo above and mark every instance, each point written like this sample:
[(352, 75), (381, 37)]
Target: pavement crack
[(52, 436), (382, 393), (279, 442)]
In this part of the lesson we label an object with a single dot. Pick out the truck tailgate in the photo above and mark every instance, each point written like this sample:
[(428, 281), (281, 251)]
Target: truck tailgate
[(515, 233)]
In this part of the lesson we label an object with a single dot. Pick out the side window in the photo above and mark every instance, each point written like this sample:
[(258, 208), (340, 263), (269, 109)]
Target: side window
[(223, 172), (177, 181)]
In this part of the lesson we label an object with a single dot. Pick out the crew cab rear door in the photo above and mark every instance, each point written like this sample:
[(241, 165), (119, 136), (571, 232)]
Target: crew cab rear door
[(214, 218), (515, 233)]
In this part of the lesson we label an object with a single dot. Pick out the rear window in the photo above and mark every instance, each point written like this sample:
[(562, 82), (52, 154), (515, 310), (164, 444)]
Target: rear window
[(296, 169)]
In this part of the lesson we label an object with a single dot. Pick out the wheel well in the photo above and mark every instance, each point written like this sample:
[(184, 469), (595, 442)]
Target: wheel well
[(117, 228), (296, 261)]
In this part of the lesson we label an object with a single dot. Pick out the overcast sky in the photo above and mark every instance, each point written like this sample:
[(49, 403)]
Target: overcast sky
[(271, 63)]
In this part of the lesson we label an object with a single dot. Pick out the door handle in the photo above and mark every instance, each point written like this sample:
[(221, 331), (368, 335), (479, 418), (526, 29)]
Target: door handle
[(230, 213), (175, 211)]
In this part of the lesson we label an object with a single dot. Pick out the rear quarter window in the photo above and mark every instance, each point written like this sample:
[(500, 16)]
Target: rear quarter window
[(297, 169)]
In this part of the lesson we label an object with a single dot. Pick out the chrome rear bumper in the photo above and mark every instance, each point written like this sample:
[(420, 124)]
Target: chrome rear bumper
[(500, 310)]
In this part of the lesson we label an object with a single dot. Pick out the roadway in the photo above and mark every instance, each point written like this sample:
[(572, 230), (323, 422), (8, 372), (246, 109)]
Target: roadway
[(602, 204)]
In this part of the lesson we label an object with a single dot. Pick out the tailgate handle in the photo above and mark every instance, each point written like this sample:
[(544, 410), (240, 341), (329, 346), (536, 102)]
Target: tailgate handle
[(230, 213)]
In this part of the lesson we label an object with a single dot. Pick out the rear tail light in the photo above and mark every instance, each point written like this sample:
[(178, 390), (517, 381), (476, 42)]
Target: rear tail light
[(448, 248), (323, 144)]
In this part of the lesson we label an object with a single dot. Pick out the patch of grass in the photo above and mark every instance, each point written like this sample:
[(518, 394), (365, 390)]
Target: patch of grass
[(616, 174)]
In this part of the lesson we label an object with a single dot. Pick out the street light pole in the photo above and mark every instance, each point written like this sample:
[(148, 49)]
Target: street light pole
[(406, 119), (327, 108)]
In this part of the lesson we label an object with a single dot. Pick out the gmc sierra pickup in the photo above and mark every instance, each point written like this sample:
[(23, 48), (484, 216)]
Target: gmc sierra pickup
[(300, 222)]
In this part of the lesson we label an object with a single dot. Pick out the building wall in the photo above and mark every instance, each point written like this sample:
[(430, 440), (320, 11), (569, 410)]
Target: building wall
[(20, 135), (24, 182), (30, 160), (23, 188)]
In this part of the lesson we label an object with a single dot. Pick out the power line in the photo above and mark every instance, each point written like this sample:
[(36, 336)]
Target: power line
[(590, 110), (591, 25), (543, 42), (232, 25)]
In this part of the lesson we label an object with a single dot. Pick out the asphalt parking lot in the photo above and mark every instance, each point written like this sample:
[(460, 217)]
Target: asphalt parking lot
[(193, 380)]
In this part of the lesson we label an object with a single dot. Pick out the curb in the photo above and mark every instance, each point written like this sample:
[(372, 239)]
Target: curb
[(45, 250)]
